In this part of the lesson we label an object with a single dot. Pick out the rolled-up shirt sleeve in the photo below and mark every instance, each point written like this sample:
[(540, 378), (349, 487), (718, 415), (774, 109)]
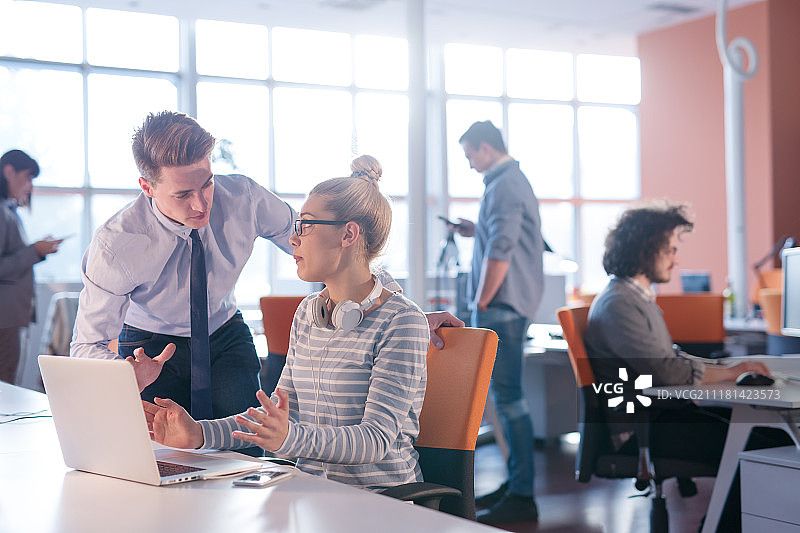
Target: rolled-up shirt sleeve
[(274, 218)]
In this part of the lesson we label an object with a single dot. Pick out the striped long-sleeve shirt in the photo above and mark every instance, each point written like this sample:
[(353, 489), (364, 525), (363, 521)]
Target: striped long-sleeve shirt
[(354, 398)]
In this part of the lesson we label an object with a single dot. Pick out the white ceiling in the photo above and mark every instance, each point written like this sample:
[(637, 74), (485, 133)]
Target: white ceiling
[(600, 26)]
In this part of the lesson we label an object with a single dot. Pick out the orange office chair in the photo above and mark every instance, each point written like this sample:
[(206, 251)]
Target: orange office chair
[(596, 455), (766, 279), (455, 395), (770, 301), (277, 313), (695, 322)]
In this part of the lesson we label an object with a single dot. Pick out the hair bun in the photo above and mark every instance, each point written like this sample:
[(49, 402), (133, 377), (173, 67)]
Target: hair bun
[(366, 167)]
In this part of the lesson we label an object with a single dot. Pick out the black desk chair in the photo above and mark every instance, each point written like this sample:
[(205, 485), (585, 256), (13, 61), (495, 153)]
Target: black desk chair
[(596, 456)]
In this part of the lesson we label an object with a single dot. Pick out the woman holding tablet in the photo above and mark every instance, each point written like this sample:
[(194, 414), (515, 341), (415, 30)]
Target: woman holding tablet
[(17, 257)]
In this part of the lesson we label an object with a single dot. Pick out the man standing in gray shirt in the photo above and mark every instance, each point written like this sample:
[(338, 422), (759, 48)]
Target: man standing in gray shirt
[(505, 290)]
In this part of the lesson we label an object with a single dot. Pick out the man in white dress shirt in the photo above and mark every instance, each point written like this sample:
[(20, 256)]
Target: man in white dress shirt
[(136, 271)]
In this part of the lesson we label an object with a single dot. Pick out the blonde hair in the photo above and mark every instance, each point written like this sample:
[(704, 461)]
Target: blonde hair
[(358, 198), (169, 139)]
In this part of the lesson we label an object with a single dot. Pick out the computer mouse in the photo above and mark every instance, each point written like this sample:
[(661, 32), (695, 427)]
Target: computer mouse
[(752, 379)]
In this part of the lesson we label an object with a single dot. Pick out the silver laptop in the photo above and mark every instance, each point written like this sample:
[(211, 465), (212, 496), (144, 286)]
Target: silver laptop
[(102, 429)]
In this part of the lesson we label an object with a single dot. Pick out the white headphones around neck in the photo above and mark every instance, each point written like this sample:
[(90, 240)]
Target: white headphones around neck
[(347, 314)]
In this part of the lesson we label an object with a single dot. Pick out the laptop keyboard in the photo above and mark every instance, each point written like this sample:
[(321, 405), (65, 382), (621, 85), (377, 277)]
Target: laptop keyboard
[(171, 469)]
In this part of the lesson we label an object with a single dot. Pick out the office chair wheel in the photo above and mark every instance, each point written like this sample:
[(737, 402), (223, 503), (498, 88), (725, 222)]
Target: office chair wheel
[(659, 519)]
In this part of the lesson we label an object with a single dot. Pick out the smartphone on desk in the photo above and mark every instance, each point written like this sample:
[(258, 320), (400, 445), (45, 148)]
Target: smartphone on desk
[(261, 479)]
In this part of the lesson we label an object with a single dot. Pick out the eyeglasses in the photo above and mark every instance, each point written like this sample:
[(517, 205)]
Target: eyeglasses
[(300, 222), (669, 251)]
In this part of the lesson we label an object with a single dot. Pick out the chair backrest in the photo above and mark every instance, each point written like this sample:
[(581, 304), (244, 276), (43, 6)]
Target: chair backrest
[(594, 432), (276, 316), (766, 279), (277, 313), (455, 395), (693, 318), (573, 322), (770, 302), (59, 323), (458, 381)]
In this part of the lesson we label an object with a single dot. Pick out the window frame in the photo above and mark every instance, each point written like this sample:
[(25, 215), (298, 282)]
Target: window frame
[(438, 197)]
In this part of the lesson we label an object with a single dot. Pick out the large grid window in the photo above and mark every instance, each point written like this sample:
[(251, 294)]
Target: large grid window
[(72, 92), (571, 122), (290, 107)]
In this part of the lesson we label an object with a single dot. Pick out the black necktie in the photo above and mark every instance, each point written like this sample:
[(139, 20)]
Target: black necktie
[(200, 346)]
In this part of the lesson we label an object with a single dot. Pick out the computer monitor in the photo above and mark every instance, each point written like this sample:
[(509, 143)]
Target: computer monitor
[(790, 307), (696, 280), (554, 297)]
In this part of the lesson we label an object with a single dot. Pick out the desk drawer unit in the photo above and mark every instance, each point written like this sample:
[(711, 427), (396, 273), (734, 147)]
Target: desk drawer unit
[(769, 481)]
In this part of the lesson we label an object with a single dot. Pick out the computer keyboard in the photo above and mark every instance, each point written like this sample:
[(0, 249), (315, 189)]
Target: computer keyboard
[(171, 469)]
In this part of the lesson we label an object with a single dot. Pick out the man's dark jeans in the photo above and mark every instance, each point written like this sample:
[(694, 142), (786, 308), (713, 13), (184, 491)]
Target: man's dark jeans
[(507, 393), (234, 366)]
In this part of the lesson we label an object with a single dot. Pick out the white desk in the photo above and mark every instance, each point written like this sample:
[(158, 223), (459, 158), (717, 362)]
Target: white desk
[(767, 505), (549, 383), (39, 494), (751, 325), (775, 406)]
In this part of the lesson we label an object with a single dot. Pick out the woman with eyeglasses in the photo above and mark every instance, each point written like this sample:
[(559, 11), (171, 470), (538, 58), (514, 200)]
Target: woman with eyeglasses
[(348, 401), (17, 257)]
